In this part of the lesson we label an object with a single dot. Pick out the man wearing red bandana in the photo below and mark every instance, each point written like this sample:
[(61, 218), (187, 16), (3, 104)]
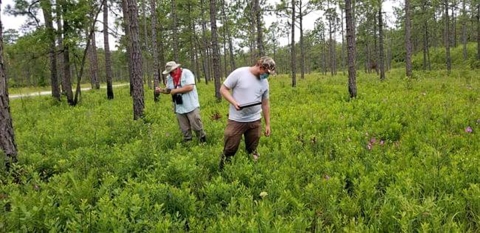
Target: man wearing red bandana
[(181, 86)]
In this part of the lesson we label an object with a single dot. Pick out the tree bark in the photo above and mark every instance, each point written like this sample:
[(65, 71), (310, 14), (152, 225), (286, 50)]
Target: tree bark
[(108, 59), (156, 65), (464, 30), (478, 31), (408, 42), (95, 80), (7, 135), (136, 60), (302, 49), (447, 38), (381, 59), (174, 31), (258, 17), (352, 79), (47, 14), (67, 80), (206, 63), (292, 50), (128, 46), (215, 52), (59, 55)]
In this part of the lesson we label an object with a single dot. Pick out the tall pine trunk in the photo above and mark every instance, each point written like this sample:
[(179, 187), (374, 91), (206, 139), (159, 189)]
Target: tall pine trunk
[(128, 45), (94, 78), (408, 42), (258, 17), (447, 38), (7, 135), (47, 14), (215, 52), (352, 83), (302, 45), (108, 59), (292, 48), (156, 65), (136, 60), (381, 54)]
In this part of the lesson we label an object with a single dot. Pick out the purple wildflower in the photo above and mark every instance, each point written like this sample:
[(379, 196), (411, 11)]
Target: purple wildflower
[(468, 129)]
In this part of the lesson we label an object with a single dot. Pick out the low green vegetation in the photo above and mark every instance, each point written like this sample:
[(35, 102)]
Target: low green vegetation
[(403, 156)]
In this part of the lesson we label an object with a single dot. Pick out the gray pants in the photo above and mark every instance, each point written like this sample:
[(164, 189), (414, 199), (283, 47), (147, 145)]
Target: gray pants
[(191, 121)]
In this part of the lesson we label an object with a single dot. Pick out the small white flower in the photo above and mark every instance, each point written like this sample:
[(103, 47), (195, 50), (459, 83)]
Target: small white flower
[(263, 194)]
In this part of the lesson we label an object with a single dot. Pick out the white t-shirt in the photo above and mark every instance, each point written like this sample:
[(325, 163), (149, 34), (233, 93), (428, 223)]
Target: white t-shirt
[(246, 88), (190, 99)]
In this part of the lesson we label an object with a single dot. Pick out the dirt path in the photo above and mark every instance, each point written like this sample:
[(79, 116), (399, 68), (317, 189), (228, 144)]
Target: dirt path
[(40, 93)]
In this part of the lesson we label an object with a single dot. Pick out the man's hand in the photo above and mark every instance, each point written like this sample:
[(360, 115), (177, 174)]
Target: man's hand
[(159, 90), (236, 105), (267, 131)]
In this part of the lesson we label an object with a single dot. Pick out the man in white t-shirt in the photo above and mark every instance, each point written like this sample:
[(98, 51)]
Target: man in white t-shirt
[(181, 85), (247, 90)]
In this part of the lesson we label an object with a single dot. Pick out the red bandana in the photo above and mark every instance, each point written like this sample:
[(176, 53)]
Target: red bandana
[(176, 74)]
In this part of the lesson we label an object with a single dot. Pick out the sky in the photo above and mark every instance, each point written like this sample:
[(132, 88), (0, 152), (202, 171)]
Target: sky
[(11, 22)]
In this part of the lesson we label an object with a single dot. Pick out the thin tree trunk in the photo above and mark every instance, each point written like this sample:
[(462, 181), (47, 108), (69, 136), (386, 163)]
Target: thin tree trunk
[(215, 52), (108, 59), (225, 38), (156, 65), (67, 82), (85, 54), (206, 64), (464, 30), (126, 25), (324, 54), (94, 79), (352, 79), (59, 55), (478, 31), (302, 49), (332, 47), (191, 26), (230, 43), (447, 38), (145, 37), (258, 16), (7, 134), (342, 53), (47, 14), (408, 42), (292, 51), (174, 31), (136, 59), (381, 60)]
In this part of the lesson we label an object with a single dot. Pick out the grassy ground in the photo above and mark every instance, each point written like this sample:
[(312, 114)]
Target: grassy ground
[(402, 156)]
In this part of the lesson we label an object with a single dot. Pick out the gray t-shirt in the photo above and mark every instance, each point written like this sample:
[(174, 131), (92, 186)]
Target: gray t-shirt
[(246, 88)]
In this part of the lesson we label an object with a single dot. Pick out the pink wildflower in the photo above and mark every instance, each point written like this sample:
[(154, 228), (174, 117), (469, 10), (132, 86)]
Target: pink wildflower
[(468, 129)]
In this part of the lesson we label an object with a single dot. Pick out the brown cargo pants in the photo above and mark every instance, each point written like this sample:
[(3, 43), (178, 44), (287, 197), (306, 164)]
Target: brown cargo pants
[(233, 136)]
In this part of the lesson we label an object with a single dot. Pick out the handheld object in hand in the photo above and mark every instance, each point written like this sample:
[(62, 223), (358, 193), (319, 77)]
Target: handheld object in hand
[(251, 104)]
